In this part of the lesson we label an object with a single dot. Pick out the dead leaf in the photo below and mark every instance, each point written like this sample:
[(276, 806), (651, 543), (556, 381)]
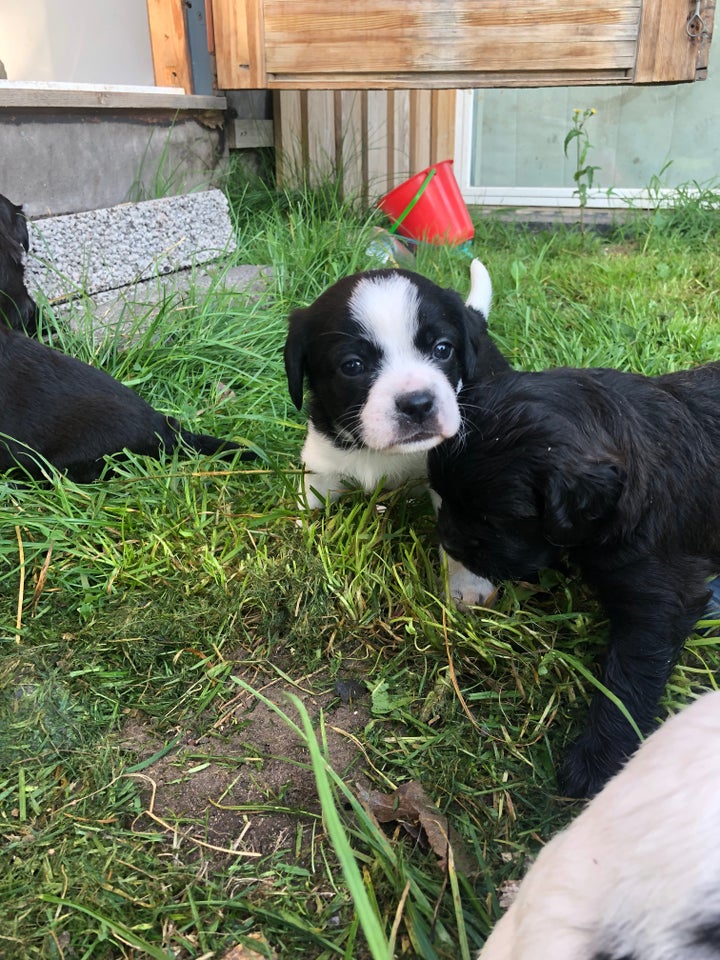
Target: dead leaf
[(224, 392), (410, 806), (507, 892), (241, 952)]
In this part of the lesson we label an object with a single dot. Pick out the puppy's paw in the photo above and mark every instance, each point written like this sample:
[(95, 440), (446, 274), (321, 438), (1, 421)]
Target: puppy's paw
[(469, 590), (317, 489), (588, 765)]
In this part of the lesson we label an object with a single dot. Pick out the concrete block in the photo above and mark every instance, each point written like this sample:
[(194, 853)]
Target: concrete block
[(123, 313), (100, 250)]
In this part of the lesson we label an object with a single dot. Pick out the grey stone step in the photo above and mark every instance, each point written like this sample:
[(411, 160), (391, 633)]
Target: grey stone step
[(100, 250)]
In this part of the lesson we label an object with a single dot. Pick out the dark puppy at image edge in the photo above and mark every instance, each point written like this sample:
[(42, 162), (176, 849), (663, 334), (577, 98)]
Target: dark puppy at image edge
[(384, 355), (17, 308), (73, 415), (617, 474)]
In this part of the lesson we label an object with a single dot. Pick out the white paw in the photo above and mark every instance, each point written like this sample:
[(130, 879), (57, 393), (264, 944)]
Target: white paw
[(467, 589), (316, 489)]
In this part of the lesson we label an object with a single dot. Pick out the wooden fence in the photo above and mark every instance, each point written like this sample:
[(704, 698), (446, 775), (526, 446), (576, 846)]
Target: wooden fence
[(371, 139)]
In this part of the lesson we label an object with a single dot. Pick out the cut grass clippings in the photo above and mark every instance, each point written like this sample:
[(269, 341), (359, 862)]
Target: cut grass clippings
[(158, 796)]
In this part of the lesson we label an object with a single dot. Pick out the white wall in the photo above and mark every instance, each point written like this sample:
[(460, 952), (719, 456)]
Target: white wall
[(80, 41)]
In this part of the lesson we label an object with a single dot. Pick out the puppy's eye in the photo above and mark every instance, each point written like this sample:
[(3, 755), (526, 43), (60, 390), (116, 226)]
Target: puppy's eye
[(352, 367), (442, 350)]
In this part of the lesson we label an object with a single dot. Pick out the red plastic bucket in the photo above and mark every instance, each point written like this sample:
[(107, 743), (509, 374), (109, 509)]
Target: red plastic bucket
[(429, 207)]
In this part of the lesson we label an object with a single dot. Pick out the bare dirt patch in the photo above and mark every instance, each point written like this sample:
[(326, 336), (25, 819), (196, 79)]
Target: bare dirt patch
[(244, 785)]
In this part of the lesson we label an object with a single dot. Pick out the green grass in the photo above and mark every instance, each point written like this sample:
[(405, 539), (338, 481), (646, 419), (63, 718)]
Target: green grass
[(137, 613)]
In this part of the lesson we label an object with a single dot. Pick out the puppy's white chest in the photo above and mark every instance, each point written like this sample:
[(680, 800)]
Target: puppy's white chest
[(330, 470)]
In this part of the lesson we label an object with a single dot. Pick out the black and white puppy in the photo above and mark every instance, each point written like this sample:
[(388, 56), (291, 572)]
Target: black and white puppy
[(17, 308), (385, 355), (73, 415), (637, 875), (617, 473)]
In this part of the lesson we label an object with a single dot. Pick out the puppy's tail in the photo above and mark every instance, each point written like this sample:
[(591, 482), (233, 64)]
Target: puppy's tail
[(208, 445), (480, 296)]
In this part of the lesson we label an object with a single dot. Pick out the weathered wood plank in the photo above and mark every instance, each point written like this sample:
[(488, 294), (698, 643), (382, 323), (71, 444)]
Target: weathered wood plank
[(442, 145), (379, 138), (421, 129), (666, 51), (388, 56), (244, 134), (288, 119), (449, 80), (399, 155), (321, 142), (413, 44), (407, 36), (169, 45), (239, 44), (378, 123), (351, 129), (384, 14)]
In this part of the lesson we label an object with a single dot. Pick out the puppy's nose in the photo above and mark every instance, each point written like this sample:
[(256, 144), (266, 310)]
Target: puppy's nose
[(417, 405)]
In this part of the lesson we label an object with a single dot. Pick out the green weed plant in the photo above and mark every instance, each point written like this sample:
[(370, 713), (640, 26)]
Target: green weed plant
[(584, 172)]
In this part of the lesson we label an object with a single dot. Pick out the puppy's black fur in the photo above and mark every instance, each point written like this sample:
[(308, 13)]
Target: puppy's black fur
[(17, 308), (618, 474), (73, 414)]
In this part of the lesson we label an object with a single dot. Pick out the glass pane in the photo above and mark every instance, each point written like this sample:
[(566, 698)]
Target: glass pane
[(518, 135)]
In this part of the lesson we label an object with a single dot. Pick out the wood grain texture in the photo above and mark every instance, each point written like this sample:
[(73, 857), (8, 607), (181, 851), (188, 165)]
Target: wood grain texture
[(445, 44), (169, 44), (442, 143), (407, 36), (239, 44), (450, 81), (320, 135), (370, 140), (288, 120), (351, 131), (666, 53)]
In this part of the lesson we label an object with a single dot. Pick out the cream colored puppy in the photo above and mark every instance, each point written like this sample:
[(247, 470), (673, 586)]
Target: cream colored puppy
[(637, 875)]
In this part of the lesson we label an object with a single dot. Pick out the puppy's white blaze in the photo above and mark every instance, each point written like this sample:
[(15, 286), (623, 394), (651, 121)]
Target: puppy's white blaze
[(637, 874), (387, 311), (480, 296), (386, 308)]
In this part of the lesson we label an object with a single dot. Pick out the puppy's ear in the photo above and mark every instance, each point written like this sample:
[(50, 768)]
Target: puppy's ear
[(472, 327), (295, 347), (482, 357), (579, 498)]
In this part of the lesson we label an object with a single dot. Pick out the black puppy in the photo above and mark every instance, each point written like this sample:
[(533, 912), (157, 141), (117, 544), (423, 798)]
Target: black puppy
[(73, 414), (618, 474), (17, 308)]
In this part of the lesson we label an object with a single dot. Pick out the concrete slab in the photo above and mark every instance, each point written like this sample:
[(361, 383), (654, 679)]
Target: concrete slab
[(127, 312), (124, 262)]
